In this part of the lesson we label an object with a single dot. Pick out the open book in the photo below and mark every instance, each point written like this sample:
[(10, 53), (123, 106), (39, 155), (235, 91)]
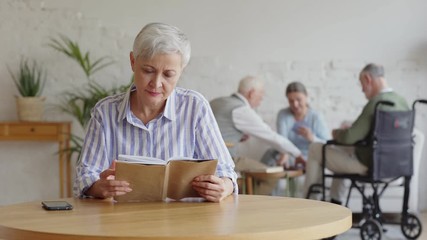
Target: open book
[(153, 179), (270, 169)]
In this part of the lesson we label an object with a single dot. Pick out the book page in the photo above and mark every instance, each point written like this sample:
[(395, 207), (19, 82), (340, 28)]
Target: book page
[(180, 174), (146, 181), (141, 159)]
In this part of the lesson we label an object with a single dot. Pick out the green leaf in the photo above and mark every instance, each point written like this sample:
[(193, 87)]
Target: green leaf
[(30, 80), (72, 49)]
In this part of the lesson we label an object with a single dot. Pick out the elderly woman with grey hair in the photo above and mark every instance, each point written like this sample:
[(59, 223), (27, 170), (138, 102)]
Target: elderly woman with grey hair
[(300, 123), (154, 118)]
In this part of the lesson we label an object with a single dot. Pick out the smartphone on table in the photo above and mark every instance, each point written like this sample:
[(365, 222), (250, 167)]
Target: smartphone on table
[(56, 205)]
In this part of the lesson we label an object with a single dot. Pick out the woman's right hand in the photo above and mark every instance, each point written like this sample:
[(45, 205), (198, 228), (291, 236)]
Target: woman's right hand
[(306, 133), (107, 186)]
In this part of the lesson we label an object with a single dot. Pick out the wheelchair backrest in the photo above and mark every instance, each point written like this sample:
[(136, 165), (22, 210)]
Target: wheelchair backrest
[(392, 144)]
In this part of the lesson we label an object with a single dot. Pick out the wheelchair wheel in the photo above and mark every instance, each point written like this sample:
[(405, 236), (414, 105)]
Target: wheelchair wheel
[(371, 230), (411, 226)]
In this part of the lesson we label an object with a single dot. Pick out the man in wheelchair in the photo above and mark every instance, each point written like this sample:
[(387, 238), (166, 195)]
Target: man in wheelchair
[(353, 159)]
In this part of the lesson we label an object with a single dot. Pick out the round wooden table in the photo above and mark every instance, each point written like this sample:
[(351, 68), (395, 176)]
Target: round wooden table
[(237, 217)]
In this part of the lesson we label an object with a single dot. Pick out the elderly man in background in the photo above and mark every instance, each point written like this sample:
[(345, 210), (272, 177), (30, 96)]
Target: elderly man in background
[(353, 159), (237, 120)]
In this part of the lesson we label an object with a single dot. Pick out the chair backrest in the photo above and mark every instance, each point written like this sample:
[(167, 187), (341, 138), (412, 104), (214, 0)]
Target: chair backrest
[(392, 144)]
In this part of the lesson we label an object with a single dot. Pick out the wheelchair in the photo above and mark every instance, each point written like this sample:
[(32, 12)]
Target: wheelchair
[(392, 143)]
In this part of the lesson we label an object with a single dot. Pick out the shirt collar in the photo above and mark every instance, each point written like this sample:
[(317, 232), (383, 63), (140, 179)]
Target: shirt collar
[(124, 105), (241, 97), (168, 112), (385, 90)]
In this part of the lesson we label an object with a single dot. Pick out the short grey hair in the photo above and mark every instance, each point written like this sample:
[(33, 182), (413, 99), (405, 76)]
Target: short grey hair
[(296, 87), (161, 38), (249, 82), (375, 70)]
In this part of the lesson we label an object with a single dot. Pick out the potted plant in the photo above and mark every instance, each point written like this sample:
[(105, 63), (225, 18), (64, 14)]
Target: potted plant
[(79, 102), (30, 81)]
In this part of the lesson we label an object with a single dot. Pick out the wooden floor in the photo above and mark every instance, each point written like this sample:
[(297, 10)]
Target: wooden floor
[(393, 231)]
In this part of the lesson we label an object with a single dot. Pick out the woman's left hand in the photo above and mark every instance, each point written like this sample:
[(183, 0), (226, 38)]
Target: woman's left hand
[(306, 133), (213, 188)]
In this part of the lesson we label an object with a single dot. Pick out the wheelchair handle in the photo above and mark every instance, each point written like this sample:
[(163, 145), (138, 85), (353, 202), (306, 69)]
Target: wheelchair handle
[(388, 103), (424, 101)]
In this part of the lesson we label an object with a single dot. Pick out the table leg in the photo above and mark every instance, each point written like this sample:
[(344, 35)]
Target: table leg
[(68, 177), (65, 161), (66, 147), (249, 185), (290, 186), (61, 170)]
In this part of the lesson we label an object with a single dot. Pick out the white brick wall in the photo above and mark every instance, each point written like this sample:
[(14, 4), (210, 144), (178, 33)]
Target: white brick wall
[(324, 53)]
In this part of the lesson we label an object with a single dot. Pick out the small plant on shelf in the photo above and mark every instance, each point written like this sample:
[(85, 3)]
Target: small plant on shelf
[(30, 81)]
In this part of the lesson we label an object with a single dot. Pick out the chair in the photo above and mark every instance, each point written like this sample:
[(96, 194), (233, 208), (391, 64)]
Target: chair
[(392, 142), (241, 183)]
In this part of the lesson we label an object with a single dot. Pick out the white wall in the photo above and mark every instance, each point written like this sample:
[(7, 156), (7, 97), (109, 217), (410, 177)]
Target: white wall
[(321, 43)]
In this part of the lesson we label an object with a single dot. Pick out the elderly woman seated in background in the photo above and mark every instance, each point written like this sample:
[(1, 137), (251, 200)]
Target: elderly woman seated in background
[(300, 124)]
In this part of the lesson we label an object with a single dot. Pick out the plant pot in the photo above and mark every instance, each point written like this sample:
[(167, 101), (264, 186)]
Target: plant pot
[(30, 108)]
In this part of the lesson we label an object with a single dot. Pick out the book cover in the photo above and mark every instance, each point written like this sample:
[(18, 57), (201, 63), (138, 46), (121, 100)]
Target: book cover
[(154, 179)]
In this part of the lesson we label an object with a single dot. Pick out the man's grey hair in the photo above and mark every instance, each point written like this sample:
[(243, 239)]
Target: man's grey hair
[(160, 38), (249, 82), (375, 70)]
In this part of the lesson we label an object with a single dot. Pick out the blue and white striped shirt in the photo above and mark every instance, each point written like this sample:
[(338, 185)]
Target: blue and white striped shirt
[(186, 128)]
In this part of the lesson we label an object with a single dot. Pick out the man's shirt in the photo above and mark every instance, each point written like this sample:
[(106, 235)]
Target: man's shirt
[(361, 128), (249, 122)]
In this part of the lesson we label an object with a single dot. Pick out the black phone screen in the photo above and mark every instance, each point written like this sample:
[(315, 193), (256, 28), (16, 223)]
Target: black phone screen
[(56, 205)]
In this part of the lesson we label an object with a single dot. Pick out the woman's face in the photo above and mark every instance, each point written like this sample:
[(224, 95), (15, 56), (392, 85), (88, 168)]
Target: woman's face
[(156, 78), (297, 102)]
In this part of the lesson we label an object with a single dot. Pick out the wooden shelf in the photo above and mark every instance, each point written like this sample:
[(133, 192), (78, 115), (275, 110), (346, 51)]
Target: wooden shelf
[(44, 131)]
